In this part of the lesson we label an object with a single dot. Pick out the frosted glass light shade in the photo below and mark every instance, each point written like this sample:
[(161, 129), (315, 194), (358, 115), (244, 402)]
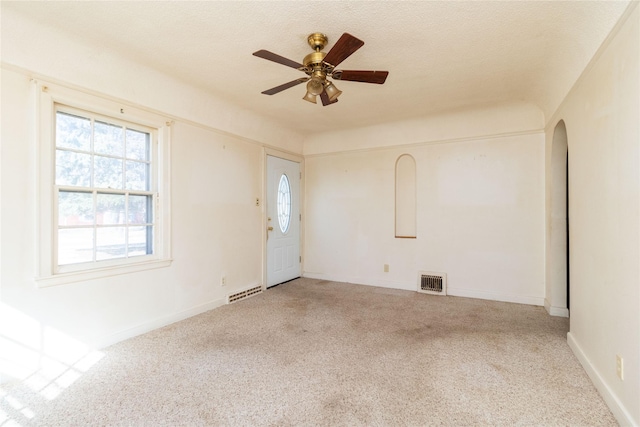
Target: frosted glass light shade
[(315, 86), (310, 97), (332, 91)]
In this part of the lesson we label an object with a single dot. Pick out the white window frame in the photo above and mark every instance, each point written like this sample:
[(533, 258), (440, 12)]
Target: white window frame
[(50, 97)]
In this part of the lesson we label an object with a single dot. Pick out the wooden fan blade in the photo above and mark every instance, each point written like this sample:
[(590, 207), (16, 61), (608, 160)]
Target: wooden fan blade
[(280, 88), (270, 56), (344, 47), (378, 77), (325, 99)]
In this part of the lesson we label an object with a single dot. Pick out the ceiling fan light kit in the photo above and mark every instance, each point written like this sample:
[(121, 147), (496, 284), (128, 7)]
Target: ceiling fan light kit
[(332, 91), (319, 66), (315, 86), (310, 97)]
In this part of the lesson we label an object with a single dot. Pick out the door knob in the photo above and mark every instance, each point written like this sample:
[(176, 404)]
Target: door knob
[(269, 228)]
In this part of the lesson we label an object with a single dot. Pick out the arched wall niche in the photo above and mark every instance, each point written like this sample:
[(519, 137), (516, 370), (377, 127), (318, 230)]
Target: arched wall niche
[(406, 205)]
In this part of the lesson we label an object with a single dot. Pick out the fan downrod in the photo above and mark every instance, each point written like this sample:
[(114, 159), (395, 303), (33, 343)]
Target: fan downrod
[(317, 41)]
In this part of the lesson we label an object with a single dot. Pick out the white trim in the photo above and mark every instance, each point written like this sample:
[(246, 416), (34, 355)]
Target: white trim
[(402, 147), (495, 296), (159, 322), (267, 151), (284, 155), (47, 97), (99, 273), (411, 286), (556, 117), (35, 77), (621, 414), (380, 283), (555, 311)]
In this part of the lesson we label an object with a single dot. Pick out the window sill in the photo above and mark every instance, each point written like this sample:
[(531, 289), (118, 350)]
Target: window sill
[(99, 273)]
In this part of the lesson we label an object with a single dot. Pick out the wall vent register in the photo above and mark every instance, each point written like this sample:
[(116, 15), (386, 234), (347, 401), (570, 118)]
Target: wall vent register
[(243, 294), (432, 283)]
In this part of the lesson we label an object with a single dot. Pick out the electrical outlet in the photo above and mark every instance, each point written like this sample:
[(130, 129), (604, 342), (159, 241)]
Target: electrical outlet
[(223, 281), (620, 366), (386, 268)]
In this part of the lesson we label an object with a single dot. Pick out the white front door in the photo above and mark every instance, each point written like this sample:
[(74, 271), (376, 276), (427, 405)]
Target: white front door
[(283, 220)]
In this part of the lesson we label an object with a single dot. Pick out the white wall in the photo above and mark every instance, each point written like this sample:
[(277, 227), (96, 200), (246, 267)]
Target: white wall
[(43, 51), (601, 114), (216, 229), (481, 204), (509, 118), (217, 157), (480, 207)]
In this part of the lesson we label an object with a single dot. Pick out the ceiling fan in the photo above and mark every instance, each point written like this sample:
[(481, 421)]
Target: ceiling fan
[(318, 66)]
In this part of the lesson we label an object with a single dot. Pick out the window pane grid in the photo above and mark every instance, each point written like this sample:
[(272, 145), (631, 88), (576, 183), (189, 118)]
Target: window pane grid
[(79, 151), (103, 187), (103, 190), (123, 239), (71, 150), (71, 227)]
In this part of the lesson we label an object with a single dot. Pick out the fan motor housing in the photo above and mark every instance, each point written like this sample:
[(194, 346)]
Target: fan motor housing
[(313, 58)]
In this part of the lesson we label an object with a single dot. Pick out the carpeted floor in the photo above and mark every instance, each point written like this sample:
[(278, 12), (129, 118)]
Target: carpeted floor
[(312, 352)]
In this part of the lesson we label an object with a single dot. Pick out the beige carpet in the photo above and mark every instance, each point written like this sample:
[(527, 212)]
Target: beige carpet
[(312, 352)]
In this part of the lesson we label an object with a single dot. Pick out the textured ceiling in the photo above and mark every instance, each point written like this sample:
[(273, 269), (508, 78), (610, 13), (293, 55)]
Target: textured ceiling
[(441, 55)]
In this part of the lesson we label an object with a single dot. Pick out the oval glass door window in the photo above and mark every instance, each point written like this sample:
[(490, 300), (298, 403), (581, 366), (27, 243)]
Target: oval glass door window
[(284, 203)]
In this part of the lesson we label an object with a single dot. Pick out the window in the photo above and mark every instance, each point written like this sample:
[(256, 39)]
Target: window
[(103, 187), (284, 203)]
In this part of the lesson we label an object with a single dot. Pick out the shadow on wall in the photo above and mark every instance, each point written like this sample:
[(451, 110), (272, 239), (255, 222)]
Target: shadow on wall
[(40, 357)]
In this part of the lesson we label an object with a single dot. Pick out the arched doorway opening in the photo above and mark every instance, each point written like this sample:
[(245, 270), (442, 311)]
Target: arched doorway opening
[(559, 271)]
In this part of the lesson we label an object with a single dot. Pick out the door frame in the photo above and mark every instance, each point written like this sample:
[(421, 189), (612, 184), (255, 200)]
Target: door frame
[(263, 205)]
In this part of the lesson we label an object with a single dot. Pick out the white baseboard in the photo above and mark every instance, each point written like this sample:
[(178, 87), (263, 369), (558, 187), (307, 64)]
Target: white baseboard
[(391, 284), (155, 324), (617, 408), (555, 311), (495, 296), (412, 286)]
